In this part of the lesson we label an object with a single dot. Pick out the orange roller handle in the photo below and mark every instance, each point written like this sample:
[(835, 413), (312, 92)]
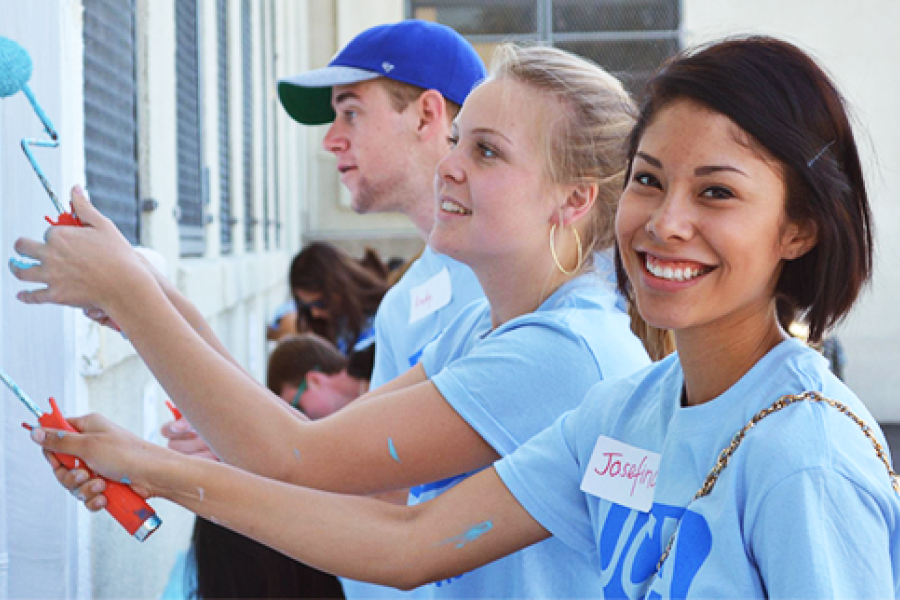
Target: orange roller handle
[(66, 219), (126, 507), (175, 412)]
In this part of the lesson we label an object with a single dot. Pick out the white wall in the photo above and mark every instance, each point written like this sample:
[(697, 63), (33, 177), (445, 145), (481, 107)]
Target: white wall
[(857, 43), (49, 545), (43, 535)]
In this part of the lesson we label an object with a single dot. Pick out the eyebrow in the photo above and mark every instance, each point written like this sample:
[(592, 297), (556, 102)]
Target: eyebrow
[(653, 161), (699, 171), (343, 96), (454, 128)]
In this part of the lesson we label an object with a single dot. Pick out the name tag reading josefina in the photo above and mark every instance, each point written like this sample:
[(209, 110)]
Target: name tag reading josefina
[(622, 474), (432, 295)]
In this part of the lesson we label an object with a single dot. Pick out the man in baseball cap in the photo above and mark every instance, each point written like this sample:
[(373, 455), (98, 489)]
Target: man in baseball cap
[(391, 95), (420, 53)]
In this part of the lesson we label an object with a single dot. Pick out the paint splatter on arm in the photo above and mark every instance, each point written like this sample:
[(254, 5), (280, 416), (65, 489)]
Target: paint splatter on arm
[(470, 535)]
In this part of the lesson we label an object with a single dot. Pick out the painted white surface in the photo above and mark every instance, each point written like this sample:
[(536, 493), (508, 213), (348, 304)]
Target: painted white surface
[(857, 43), (40, 541), (57, 351)]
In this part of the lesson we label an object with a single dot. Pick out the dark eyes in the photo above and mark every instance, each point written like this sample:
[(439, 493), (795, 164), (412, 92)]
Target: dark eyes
[(714, 192), (647, 179), (717, 192), (452, 140)]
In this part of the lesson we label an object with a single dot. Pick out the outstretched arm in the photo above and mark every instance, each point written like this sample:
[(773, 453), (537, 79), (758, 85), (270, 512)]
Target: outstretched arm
[(400, 438), (472, 524)]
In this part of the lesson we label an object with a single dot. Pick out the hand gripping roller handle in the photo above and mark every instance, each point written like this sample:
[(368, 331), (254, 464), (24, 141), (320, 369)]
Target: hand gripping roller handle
[(126, 507)]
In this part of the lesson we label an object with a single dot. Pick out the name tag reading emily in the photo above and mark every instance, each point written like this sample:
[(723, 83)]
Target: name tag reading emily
[(432, 295), (622, 474)]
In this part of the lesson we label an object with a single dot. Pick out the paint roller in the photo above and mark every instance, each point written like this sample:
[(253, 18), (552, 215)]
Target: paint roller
[(15, 71), (129, 509)]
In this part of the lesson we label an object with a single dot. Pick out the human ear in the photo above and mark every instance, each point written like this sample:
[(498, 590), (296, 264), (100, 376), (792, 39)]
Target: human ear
[(579, 202), (314, 379), (431, 112), (799, 238)]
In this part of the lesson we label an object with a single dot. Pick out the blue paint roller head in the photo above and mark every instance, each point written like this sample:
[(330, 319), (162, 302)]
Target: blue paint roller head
[(15, 71), (15, 67)]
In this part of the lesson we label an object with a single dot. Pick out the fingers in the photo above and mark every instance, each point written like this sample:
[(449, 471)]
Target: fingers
[(56, 440), (100, 317), (179, 429), (39, 296), (79, 484), (27, 270), (185, 440), (30, 248), (191, 447), (91, 423), (81, 205)]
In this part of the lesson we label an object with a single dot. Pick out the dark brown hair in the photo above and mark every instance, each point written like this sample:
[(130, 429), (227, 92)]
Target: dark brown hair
[(297, 355), (351, 291), (790, 107)]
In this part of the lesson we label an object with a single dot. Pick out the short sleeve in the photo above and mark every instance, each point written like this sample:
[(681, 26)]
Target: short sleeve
[(383, 367), (512, 385), (835, 534), (544, 476)]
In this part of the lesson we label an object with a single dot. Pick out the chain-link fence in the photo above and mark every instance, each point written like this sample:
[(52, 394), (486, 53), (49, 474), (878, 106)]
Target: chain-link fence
[(629, 38)]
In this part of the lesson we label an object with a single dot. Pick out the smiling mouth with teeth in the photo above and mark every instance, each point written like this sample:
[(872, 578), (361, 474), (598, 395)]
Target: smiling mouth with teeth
[(682, 272), (453, 207)]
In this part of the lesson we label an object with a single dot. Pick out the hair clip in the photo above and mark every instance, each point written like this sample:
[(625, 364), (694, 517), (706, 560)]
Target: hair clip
[(819, 155)]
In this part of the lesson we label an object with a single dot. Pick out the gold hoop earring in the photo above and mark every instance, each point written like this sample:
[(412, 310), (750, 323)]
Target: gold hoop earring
[(556, 257)]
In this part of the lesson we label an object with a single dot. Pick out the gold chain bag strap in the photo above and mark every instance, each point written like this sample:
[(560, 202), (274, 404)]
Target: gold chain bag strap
[(784, 401)]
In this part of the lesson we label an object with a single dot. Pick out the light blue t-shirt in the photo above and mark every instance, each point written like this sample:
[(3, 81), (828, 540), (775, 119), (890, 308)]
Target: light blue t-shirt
[(401, 335), (804, 509), (510, 383), (401, 332), (182, 582)]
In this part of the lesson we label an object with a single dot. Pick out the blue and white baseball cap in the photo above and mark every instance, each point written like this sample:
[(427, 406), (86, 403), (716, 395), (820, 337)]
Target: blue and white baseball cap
[(421, 53)]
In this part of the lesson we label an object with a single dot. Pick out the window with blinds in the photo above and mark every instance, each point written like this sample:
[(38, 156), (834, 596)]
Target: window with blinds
[(110, 112), (265, 44), (226, 220), (273, 110), (192, 193), (629, 38), (247, 71)]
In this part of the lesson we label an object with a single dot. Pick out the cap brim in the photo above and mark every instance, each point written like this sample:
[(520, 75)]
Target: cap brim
[(307, 97)]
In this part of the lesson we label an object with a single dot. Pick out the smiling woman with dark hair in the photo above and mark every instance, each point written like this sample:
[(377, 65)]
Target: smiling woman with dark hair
[(739, 467)]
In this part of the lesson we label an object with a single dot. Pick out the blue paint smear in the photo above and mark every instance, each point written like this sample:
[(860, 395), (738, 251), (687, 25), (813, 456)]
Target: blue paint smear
[(60, 434), (393, 450), (297, 454), (126, 481), (23, 263), (471, 535)]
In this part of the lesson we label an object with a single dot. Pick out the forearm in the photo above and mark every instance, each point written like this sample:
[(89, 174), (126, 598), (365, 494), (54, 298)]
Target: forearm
[(352, 536), (397, 440), (192, 315), (241, 421)]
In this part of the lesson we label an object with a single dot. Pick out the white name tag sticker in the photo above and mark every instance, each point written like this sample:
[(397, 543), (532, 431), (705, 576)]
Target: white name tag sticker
[(622, 474), (432, 295)]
